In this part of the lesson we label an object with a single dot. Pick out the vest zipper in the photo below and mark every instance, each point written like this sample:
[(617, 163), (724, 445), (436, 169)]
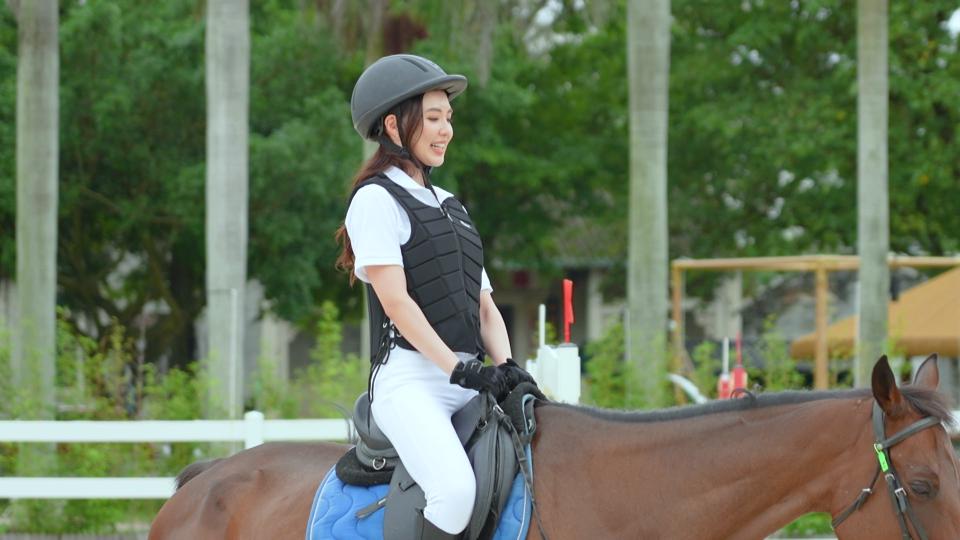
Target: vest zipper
[(456, 237)]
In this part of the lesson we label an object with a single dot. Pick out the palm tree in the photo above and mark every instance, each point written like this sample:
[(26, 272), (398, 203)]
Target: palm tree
[(228, 91), (873, 237), (38, 71), (648, 67), (34, 335)]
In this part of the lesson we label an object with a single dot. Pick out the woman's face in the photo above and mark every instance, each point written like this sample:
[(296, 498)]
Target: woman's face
[(437, 129)]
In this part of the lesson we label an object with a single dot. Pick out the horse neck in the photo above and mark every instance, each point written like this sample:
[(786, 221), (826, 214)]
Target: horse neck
[(755, 470)]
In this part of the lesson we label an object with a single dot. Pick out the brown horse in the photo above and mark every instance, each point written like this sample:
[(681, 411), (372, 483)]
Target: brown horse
[(737, 469)]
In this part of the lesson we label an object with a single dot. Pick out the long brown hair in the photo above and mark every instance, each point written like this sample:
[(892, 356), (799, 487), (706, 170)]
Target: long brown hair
[(409, 122)]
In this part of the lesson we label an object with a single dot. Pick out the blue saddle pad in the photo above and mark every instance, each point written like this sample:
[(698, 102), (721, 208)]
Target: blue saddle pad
[(332, 515)]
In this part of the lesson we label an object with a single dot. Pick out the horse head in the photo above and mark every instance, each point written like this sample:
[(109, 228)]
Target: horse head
[(916, 490)]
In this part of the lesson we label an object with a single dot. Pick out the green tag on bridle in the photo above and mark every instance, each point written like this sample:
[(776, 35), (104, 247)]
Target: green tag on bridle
[(881, 457)]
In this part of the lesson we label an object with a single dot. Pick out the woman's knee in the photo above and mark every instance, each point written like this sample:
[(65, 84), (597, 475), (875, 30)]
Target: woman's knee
[(457, 496)]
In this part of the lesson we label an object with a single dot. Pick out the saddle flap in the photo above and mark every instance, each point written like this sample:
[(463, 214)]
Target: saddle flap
[(405, 504), (491, 453), (469, 417)]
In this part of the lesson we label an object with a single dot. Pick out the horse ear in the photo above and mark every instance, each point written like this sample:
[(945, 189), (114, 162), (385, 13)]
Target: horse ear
[(885, 389), (928, 376)]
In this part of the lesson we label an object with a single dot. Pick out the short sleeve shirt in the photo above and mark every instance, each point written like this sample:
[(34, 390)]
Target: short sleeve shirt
[(378, 225)]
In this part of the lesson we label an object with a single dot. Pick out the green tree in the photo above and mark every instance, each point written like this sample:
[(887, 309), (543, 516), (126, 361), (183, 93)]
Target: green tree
[(132, 162), (762, 142)]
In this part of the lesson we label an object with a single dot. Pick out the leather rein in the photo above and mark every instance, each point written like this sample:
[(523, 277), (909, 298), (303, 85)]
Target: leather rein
[(898, 494)]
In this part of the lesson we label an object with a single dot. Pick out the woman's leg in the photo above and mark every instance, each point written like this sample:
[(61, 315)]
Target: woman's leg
[(415, 416)]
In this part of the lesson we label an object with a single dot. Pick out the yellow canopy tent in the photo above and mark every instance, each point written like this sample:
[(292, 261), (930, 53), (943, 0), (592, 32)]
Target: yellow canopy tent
[(925, 320)]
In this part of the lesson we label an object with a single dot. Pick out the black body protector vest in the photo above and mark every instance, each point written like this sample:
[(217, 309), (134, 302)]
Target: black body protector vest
[(442, 261)]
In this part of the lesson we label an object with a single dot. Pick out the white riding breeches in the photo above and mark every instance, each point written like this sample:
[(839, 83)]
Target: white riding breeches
[(413, 401)]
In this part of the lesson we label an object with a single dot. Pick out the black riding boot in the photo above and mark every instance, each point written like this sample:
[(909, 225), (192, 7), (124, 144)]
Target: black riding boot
[(432, 532)]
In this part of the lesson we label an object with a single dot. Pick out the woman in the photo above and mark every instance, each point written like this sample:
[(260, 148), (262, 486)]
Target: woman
[(431, 310)]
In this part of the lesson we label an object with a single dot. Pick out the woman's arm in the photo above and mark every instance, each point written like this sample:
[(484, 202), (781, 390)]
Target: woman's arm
[(493, 331), (390, 285)]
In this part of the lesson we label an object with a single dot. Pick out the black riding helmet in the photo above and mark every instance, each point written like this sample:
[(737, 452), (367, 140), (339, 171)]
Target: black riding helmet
[(389, 81)]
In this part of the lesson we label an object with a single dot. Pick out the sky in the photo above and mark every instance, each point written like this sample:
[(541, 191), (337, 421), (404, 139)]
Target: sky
[(953, 24)]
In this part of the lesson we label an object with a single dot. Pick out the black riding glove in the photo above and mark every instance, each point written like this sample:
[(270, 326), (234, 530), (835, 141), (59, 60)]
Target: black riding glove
[(476, 376), (515, 374)]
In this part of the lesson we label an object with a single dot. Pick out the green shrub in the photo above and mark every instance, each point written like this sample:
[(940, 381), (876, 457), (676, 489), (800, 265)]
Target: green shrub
[(608, 376), (105, 380), (779, 369), (332, 382), (605, 382), (99, 381), (326, 388), (706, 368), (7, 452), (809, 525)]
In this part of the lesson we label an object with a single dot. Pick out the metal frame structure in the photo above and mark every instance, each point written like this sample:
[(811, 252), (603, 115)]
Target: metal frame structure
[(821, 265)]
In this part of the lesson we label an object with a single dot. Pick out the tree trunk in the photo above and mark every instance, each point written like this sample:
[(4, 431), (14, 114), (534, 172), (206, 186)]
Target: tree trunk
[(872, 198), (34, 325), (648, 66), (228, 88), (373, 51), (38, 68)]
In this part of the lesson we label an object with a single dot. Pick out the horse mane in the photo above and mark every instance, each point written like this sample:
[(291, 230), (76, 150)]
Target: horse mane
[(192, 470), (930, 403), (926, 402)]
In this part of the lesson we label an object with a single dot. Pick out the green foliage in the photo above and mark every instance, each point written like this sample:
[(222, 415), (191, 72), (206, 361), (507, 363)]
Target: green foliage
[(762, 141), (809, 525), (100, 381), (707, 367), (609, 378), (779, 369), (333, 380), (326, 388), (550, 335), (605, 370), (272, 395), (132, 163), (6, 375), (654, 394), (7, 452)]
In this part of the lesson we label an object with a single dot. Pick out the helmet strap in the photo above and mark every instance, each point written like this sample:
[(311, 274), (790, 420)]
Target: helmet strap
[(395, 148)]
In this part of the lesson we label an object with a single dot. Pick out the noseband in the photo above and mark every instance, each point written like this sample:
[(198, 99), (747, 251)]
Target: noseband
[(898, 495)]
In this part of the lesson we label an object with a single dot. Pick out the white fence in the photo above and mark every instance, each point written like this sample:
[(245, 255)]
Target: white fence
[(252, 430)]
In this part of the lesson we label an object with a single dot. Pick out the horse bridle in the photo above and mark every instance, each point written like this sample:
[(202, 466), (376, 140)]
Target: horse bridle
[(898, 494)]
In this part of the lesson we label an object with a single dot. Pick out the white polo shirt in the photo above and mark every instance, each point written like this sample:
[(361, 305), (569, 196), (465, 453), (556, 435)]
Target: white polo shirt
[(378, 225)]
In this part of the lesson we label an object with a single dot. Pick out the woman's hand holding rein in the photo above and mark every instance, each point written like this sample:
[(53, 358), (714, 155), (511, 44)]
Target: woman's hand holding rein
[(515, 374), (476, 376)]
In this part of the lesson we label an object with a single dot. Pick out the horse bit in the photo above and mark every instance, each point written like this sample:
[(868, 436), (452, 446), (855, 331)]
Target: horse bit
[(898, 495)]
